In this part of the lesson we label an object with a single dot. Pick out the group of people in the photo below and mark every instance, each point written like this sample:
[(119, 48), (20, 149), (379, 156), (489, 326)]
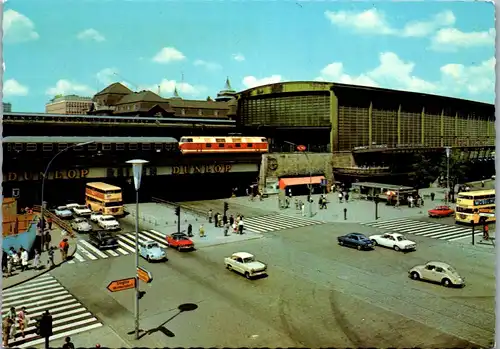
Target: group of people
[(237, 224), (11, 322)]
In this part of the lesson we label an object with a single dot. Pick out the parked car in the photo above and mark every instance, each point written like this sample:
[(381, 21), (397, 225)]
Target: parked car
[(179, 241), (438, 272), (94, 216), (81, 225), (441, 211), (63, 212), (108, 222), (151, 251), (82, 210), (357, 240), (245, 264), (394, 240), (103, 240)]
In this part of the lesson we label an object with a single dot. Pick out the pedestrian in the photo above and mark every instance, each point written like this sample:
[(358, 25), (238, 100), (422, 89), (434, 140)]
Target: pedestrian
[(10, 265), (235, 228), (190, 230), (226, 229), (22, 320), (433, 196), (346, 197), (482, 184), (210, 215), (12, 316), (36, 260), (224, 219), (24, 259), (340, 197), (219, 223), (49, 223), (50, 262), (4, 260), (64, 247), (231, 220), (303, 209), (67, 343), (320, 202), (216, 220), (241, 226), (6, 329), (202, 231), (47, 238)]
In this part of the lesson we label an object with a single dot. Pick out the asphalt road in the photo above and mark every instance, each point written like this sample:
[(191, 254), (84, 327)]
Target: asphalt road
[(318, 294), (451, 221)]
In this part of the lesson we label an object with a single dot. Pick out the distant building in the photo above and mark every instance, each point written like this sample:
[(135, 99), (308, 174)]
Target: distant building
[(70, 104), (7, 107), (117, 99), (227, 94)]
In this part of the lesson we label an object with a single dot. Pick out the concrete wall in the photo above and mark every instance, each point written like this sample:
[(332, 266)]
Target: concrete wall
[(277, 165)]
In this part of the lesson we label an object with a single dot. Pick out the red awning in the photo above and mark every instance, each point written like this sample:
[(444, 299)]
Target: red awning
[(288, 182)]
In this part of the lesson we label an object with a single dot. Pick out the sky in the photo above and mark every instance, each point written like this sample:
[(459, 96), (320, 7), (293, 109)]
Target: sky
[(56, 47)]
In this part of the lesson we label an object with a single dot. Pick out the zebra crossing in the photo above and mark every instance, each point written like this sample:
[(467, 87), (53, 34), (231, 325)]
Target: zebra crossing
[(275, 222), (428, 229), (69, 316), (87, 252)]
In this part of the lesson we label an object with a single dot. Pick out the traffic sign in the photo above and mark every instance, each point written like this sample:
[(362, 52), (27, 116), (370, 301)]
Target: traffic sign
[(301, 147), (144, 275), (120, 285), (15, 192)]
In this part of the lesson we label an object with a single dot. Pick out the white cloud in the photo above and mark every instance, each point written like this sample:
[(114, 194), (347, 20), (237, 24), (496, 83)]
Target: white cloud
[(167, 88), (66, 87), (394, 73), (374, 22), (91, 34), (168, 54), (238, 57), (107, 76), (13, 88), (18, 28), (452, 38), (207, 65), (252, 81), (475, 79)]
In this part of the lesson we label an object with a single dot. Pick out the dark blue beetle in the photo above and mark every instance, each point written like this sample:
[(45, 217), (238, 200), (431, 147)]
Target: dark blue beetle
[(356, 240)]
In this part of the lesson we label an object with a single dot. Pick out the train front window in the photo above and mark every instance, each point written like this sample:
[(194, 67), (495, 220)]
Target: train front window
[(221, 145), (186, 140), (250, 145), (237, 145)]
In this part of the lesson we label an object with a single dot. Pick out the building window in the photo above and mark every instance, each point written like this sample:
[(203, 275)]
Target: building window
[(200, 112), (31, 147), (183, 111), (146, 146), (18, 147), (79, 148), (136, 106), (158, 147), (120, 146), (132, 146), (216, 112), (47, 146), (92, 147), (106, 146), (62, 146)]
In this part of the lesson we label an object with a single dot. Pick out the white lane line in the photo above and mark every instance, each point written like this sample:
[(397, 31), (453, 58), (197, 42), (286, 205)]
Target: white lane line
[(112, 253), (388, 221), (466, 236), (122, 251), (60, 335), (145, 235), (78, 257), (27, 285), (29, 291), (124, 245), (65, 295), (160, 235), (446, 235), (93, 249), (33, 294), (436, 233), (86, 253)]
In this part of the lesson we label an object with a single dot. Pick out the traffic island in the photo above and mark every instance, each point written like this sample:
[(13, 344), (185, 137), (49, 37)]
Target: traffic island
[(19, 277)]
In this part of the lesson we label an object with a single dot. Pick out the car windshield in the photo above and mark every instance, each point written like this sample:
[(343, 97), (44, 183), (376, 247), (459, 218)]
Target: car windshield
[(248, 260), (81, 207), (106, 236), (401, 238), (451, 270), (108, 219), (80, 220), (96, 213), (153, 245), (62, 208)]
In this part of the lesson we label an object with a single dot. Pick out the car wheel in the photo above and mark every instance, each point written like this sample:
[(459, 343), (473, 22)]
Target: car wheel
[(414, 275), (179, 248), (396, 248), (229, 267), (148, 259), (374, 243), (341, 243), (446, 282), (360, 247), (247, 275)]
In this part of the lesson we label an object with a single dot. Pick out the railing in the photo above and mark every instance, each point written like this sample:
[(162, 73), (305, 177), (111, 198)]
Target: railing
[(56, 220), (196, 211)]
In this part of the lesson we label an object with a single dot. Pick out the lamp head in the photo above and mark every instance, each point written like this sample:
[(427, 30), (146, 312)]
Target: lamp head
[(137, 169)]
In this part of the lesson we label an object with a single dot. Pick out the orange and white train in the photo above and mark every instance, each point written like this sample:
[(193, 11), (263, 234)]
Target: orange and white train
[(240, 144)]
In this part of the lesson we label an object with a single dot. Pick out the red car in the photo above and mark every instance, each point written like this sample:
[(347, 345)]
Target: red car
[(441, 211), (179, 241)]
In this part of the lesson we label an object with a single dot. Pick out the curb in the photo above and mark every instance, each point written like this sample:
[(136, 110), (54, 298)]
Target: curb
[(231, 242), (43, 272)]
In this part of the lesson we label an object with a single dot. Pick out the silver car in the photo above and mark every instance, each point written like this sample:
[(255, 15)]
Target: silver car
[(81, 225), (438, 272)]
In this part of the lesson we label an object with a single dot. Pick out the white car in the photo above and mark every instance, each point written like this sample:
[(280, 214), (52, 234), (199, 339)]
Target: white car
[(245, 264), (94, 216), (81, 225), (394, 240), (437, 272), (63, 212), (108, 222), (82, 210)]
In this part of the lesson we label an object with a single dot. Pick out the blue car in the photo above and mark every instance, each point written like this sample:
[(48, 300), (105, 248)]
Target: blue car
[(357, 240), (151, 251)]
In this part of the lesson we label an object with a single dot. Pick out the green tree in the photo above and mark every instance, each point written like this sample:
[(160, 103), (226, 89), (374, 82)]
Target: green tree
[(459, 169), (424, 169)]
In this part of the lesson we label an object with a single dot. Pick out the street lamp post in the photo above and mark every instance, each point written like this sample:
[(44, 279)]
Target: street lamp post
[(310, 174), (137, 169), (448, 153), (45, 173)]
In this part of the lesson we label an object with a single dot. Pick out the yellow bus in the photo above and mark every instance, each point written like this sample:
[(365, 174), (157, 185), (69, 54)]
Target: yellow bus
[(105, 198), (474, 204)]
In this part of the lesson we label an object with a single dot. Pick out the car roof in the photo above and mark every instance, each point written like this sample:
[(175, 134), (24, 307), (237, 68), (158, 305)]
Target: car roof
[(147, 242), (107, 216), (357, 234), (439, 264), (393, 234), (179, 234), (243, 254)]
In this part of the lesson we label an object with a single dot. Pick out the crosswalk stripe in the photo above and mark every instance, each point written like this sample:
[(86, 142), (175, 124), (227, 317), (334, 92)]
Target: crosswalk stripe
[(145, 235), (93, 249), (86, 253), (464, 236), (79, 257), (158, 234), (112, 253), (422, 228), (122, 251), (269, 223), (68, 314), (124, 245)]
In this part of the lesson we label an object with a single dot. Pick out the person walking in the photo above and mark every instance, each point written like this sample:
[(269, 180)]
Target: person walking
[(50, 261), (12, 316), (7, 325), (68, 344), (64, 247), (10, 265), (216, 219), (303, 209), (202, 231), (340, 197), (4, 261), (49, 223), (226, 229), (24, 259), (190, 230), (47, 238), (22, 320), (231, 220), (36, 260), (241, 226), (210, 215)]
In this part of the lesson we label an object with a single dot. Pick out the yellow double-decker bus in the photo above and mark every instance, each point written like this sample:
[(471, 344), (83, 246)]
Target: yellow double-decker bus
[(474, 204), (105, 198)]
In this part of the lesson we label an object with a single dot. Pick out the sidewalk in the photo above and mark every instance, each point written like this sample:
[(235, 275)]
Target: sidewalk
[(19, 277), (162, 218)]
